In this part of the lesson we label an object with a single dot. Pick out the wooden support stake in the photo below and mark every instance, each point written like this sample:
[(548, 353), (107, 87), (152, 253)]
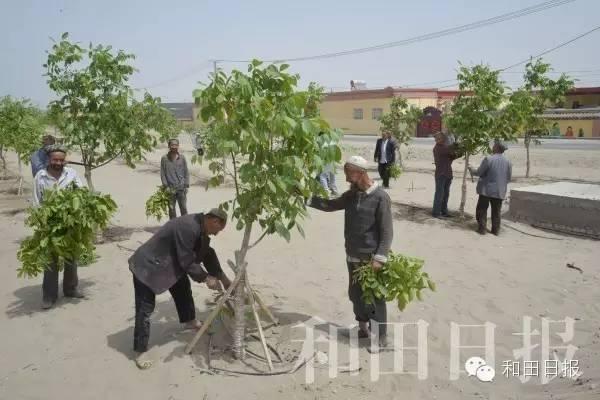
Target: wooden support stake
[(215, 311), (263, 341)]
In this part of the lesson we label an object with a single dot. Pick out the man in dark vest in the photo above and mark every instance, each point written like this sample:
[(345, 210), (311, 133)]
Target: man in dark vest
[(166, 262)]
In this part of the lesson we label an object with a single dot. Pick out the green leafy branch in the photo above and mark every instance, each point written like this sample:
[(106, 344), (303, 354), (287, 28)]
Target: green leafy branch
[(64, 227), (401, 280)]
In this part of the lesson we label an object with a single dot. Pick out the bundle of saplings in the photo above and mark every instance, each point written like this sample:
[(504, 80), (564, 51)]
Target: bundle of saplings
[(64, 229), (401, 279), (395, 171), (157, 205)]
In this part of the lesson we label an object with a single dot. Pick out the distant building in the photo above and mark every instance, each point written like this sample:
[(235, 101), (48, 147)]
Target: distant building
[(183, 112), (357, 111)]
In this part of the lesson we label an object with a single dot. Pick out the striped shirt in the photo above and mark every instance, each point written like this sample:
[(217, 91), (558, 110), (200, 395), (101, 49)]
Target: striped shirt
[(43, 181)]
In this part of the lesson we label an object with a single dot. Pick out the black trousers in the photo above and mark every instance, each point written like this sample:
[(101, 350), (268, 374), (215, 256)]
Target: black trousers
[(145, 301), (384, 173), (363, 312), (50, 283), (179, 197), (481, 213)]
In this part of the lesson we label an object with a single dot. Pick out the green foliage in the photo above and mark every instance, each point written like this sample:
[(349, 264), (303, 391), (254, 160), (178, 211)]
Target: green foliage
[(21, 126), (401, 280), (475, 115), (274, 142), (96, 110), (401, 121), (64, 228), (157, 205), (527, 104), (395, 171)]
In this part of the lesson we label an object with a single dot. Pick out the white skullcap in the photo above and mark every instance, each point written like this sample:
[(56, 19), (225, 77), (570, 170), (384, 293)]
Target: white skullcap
[(358, 162)]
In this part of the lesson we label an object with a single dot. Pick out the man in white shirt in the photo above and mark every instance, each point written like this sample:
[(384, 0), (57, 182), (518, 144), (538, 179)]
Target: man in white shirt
[(56, 176), (385, 156)]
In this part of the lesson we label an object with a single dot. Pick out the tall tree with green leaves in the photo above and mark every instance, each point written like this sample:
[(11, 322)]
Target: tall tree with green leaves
[(401, 122), (476, 115), (527, 104), (96, 110), (275, 145), (21, 128)]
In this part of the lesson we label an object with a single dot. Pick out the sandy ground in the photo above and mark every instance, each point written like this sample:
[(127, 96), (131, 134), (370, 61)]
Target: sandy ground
[(82, 349)]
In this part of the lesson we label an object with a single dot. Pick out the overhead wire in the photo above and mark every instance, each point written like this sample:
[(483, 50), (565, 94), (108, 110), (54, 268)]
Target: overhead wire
[(428, 36), (559, 46)]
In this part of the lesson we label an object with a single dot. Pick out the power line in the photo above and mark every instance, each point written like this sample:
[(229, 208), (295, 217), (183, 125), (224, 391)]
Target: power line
[(553, 49), (429, 36), (561, 45), (201, 67)]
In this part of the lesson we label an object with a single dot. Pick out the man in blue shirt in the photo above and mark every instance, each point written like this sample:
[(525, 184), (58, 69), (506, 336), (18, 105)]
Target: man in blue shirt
[(39, 159)]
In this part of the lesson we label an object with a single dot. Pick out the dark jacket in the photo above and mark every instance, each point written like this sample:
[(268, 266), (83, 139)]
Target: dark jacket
[(368, 225), (443, 155), (176, 249), (39, 161), (174, 173), (390, 150)]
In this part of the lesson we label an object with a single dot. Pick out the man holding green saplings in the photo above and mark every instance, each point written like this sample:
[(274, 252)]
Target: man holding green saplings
[(368, 233), (56, 176)]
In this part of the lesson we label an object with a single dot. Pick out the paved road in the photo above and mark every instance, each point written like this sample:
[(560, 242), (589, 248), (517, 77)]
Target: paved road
[(556, 144)]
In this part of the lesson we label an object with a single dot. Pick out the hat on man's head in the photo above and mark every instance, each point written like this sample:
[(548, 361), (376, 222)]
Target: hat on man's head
[(358, 162), (500, 144), (218, 213), (54, 148)]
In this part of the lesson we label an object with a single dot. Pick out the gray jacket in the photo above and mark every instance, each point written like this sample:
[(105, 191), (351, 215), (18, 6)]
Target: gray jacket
[(174, 174), (368, 225), (176, 249), (494, 174)]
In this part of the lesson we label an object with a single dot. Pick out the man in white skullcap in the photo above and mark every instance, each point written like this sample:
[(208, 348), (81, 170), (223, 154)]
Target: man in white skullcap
[(368, 233)]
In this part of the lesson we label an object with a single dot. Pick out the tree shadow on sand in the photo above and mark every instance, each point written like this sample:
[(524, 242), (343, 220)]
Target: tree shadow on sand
[(422, 215)]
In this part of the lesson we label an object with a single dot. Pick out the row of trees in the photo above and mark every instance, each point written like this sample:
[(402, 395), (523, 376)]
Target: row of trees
[(95, 110), (260, 130), (486, 109), (21, 128)]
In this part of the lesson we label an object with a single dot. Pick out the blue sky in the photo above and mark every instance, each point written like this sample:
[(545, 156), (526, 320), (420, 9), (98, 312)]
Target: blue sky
[(173, 41)]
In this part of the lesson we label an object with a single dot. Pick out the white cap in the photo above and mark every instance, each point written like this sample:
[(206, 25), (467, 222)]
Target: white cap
[(358, 162)]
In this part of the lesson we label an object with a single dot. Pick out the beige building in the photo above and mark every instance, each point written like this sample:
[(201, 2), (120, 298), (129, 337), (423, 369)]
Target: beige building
[(358, 111)]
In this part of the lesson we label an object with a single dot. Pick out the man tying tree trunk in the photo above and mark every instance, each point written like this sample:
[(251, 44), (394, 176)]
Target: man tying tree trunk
[(368, 233), (164, 263)]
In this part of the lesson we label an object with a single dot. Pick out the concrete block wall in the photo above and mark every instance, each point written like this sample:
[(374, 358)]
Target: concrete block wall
[(563, 206)]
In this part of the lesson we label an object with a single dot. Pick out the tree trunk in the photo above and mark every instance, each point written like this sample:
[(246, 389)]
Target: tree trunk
[(20, 188), (463, 195), (239, 329), (527, 143), (399, 156), (88, 178), (3, 159)]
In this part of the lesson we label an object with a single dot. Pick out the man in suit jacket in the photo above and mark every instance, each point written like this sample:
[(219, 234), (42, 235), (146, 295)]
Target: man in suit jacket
[(385, 156), (164, 263)]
